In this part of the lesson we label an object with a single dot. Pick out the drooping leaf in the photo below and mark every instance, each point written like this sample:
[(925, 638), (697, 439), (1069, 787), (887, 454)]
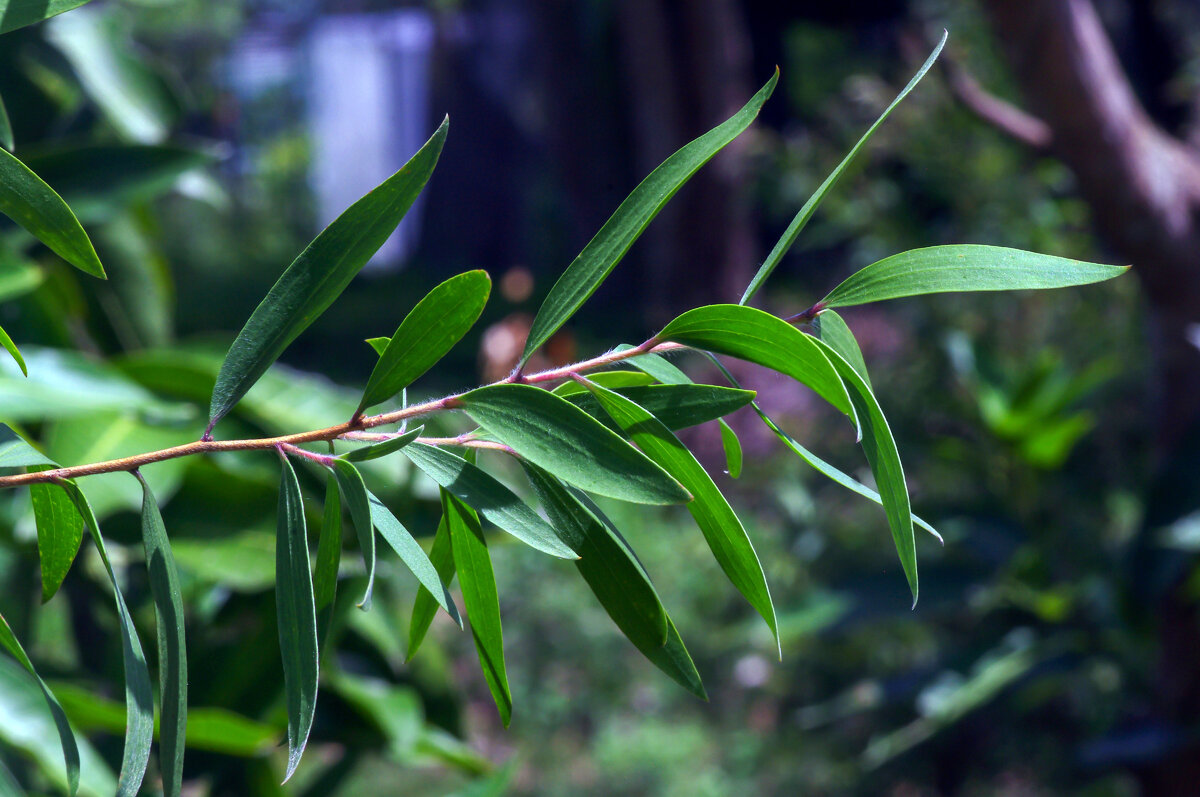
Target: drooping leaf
[(556, 435), (733, 450), (319, 275), (495, 502), (59, 530), (427, 334), (721, 527), (478, 584), (6, 134), (617, 582), (28, 201), (19, 13), (12, 349), (172, 643), (354, 492), (139, 698), (377, 450), (751, 334), (677, 406), (605, 250), (329, 548), (964, 267), (65, 735), (425, 606), (413, 555), (810, 207), (297, 617), (831, 328)]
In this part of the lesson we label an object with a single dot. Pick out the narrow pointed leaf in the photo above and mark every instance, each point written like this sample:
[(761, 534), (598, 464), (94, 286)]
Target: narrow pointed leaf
[(379, 344), (478, 584), (658, 367), (377, 450), (733, 450), (172, 643), (427, 334), (413, 556), (831, 328), (28, 201), (329, 547), (59, 530), (65, 735), (319, 275), (810, 207), (19, 13), (12, 349), (139, 698), (425, 606), (354, 492), (6, 134), (677, 406), (721, 527), (750, 334), (296, 612), (495, 502), (964, 267), (16, 453), (605, 250), (617, 582), (613, 380), (558, 436), (880, 449)]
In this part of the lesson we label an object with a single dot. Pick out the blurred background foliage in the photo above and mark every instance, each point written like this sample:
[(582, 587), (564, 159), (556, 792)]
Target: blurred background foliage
[(187, 134)]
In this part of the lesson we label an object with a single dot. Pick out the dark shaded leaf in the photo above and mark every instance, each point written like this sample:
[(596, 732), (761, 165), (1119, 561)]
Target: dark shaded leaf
[(6, 134), (354, 492), (329, 548), (425, 607), (413, 555)]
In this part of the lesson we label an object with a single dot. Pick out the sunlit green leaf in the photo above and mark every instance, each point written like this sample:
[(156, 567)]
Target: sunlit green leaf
[(810, 207), (296, 612), (354, 493), (379, 344), (613, 380), (65, 735), (427, 333), (733, 450), (722, 529), (139, 699), (12, 349), (555, 435), (172, 644), (677, 406), (750, 334), (495, 502), (413, 555), (478, 584), (377, 450), (831, 328), (19, 13), (425, 607), (605, 250), (59, 530), (28, 201), (964, 267), (329, 548), (16, 453), (319, 275)]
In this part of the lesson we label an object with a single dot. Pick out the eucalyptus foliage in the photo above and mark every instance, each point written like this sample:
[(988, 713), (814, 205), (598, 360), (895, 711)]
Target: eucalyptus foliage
[(590, 428)]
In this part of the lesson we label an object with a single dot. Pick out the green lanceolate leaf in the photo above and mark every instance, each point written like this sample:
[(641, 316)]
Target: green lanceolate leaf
[(556, 435), (610, 572), (28, 201), (59, 530), (495, 502), (677, 406), (296, 613), (6, 134), (733, 450), (172, 644), (657, 366), (750, 334), (319, 275), (605, 250), (964, 267), (354, 492), (831, 328), (427, 333), (810, 207), (425, 606), (722, 530), (329, 548), (379, 344), (139, 698), (12, 349), (377, 450), (880, 449), (65, 735), (19, 13), (478, 584), (613, 380), (413, 556)]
